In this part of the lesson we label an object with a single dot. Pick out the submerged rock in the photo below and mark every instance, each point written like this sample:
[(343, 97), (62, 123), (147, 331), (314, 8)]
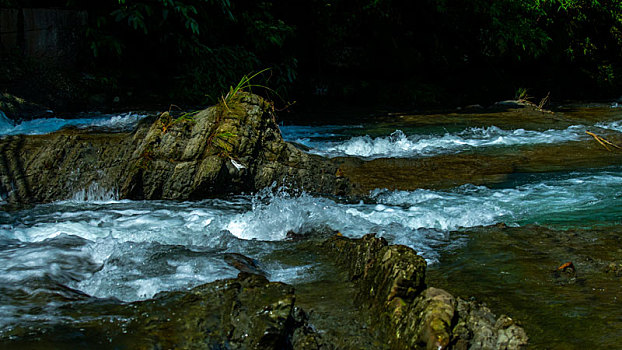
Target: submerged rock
[(523, 272), (224, 149), (243, 263)]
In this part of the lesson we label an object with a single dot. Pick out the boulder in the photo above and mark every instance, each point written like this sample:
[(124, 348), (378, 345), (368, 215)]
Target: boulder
[(244, 313), (228, 148)]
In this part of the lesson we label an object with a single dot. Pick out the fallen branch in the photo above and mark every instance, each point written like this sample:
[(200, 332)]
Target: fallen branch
[(604, 142)]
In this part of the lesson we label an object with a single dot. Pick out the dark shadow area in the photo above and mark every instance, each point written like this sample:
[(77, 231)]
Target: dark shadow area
[(385, 55)]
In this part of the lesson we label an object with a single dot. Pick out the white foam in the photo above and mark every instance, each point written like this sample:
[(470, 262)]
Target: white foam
[(132, 250), (530, 203), (400, 145), (615, 125), (95, 193), (47, 125)]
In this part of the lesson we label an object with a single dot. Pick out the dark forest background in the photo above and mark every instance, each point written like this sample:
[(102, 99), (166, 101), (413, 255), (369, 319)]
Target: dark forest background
[(371, 52)]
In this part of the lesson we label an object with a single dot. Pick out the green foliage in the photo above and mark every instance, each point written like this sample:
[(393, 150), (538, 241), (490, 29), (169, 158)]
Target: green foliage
[(345, 48), (8, 3), (167, 120), (205, 78), (211, 42), (244, 85), (521, 94)]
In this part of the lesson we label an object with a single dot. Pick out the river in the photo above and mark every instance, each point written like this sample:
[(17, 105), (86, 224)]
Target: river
[(95, 245)]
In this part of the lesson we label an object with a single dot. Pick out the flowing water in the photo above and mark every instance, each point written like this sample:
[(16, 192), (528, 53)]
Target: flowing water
[(97, 246), (111, 122)]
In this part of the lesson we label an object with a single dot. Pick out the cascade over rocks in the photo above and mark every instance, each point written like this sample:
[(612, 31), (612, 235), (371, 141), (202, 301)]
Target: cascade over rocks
[(223, 149), (386, 283), (234, 148)]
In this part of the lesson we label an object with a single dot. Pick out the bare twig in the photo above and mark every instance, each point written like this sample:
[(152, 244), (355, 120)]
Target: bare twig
[(604, 142), (544, 101)]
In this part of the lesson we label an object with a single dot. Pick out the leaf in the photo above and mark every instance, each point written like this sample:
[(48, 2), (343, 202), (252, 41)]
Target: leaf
[(564, 266)]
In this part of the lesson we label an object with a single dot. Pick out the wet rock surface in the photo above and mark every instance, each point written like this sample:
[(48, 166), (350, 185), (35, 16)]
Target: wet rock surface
[(223, 149), (247, 312), (390, 280)]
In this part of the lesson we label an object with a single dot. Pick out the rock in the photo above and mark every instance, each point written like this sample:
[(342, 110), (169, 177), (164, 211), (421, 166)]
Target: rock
[(45, 168), (247, 312), (243, 264), (391, 285), (477, 328), (18, 109), (566, 273), (305, 336), (167, 158), (435, 309)]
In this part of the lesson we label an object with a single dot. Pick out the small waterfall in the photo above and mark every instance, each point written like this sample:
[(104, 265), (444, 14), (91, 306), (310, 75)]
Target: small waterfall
[(95, 193)]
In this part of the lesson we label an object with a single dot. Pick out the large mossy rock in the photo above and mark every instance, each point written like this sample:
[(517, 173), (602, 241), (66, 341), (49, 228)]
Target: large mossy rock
[(391, 286), (229, 148)]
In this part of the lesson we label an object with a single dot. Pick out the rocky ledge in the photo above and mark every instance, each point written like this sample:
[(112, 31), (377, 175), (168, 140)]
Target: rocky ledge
[(247, 312), (391, 285), (387, 283), (228, 148)]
